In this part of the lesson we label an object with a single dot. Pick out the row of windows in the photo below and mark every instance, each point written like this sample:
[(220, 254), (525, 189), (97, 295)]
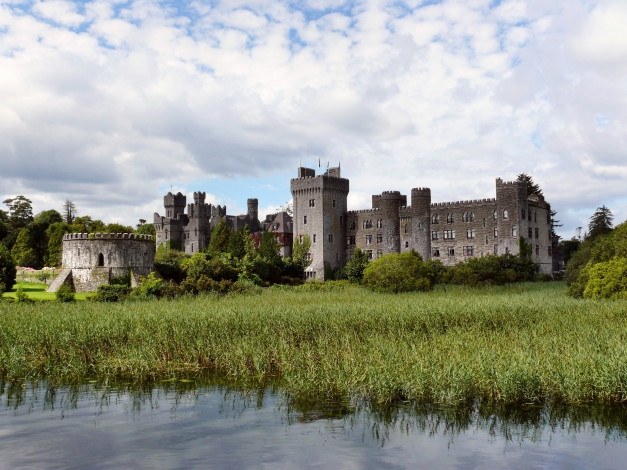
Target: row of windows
[(466, 217), (312, 203), (531, 232), (470, 251)]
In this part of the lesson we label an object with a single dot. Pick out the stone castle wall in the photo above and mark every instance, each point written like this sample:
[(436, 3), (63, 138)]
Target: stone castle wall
[(95, 259)]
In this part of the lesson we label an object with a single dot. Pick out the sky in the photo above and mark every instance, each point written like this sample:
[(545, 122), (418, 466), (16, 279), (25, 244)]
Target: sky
[(112, 104)]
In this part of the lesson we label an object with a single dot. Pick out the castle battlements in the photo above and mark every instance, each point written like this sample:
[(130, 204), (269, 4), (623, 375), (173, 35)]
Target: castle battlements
[(439, 205), (107, 236), (364, 211)]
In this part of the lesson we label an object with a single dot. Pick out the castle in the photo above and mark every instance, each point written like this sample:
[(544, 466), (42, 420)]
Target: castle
[(191, 232), (448, 231)]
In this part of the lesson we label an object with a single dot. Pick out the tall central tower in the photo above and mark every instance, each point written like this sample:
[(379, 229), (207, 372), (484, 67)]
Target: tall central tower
[(320, 213)]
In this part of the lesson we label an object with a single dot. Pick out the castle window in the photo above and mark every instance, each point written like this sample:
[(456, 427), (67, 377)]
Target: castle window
[(451, 251), (450, 218), (330, 238), (435, 219), (333, 202), (406, 228), (314, 238), (537, 232), (537, 250), (300, 239), (486, 239), (523, 214), (304, 220), (505, 214), (367, 224), (406, 244), (379, 253), (166, 234), (351, 226), (312, 203), (435, 235), (379, 238), (514, 231), (350, 240), (308, 257), (530, 233), (496, 249), (449, 234), (484, 221), (495, 215), (496, 231), (435, 253), (369, 253), (100, 259), (192, 247), (529, 214), (368, 239), (535, 216), (379, 223), (468, 250), (468, 217)]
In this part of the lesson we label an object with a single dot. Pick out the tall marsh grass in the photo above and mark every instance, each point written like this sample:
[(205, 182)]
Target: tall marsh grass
[(522, 343)]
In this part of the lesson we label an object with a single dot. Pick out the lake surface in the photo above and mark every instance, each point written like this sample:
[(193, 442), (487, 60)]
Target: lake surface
[(204, 425)]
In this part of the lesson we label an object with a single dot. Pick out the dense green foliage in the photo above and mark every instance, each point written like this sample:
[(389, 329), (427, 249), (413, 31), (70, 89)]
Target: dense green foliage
[(300, 250), (608, 250), (600, 222), (519, 343), (402, 272), (64, 294), (113, 292), (220, 234), (492, 270), (7, 269), (355, 267)]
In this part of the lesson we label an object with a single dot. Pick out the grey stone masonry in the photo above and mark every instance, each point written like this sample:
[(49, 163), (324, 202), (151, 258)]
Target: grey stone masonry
[(320, 212), (90, 260), (448, 231)]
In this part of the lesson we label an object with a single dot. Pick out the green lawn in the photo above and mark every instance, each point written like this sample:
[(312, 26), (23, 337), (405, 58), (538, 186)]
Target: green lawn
[(37, 291)]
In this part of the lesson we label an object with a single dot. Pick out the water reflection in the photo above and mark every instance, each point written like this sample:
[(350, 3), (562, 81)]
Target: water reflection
[(213, 423)]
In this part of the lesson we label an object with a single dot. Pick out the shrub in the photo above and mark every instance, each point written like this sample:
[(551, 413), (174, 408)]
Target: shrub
[(169, 264), (65, 294), (124, 280), (20, 296), (397, 273), (7, 268), (355, 267), (112, 292), (607, 280), (150, 286)]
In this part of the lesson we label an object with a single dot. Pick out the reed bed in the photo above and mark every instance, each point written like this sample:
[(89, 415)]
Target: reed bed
[(523, 343)]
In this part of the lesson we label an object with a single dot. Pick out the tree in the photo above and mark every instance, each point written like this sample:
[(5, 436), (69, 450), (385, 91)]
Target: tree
[(20, 211), (356, 266), (532, 187), (146, 229), (119, 228), (22, 252), (269, 249), (240, 243), (85, 224), (7, 269), (219, 242), (69, 212), (600, 222), (55, 243), (300, 250)]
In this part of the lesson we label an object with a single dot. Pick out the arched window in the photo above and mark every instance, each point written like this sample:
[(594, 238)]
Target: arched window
[(406, 229), (496, 214), (435, 219), (505, 214), (100, 259)]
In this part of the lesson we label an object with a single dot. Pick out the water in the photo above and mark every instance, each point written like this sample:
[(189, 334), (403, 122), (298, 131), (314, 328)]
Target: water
[(189, 425)]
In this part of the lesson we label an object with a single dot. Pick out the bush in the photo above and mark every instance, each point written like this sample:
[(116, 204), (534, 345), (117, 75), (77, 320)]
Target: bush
[(112, 292), (355, 267), (65, 294), (169, 264), (20, 296), (607, 280), (8, 271), (124, 280), (491, 270), (397, 273), (150, 286)]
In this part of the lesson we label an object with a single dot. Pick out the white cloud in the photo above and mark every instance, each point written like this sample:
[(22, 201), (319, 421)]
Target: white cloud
[(108, 102)]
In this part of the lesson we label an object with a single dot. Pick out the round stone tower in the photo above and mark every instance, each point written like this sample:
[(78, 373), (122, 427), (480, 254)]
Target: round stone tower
[(253, 208), (421, 221), (390, 204)]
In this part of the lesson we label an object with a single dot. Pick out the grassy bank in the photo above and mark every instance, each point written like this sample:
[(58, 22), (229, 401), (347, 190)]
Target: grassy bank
[(37, 291), (521, 343)]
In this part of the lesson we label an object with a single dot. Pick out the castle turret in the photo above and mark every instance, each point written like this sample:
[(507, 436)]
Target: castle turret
[(253, 208), (174, 204), (511, 202), (390, 204), (421, 221), (199, 198)]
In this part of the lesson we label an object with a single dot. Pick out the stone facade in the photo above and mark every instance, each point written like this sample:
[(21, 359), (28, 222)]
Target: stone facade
[(90, 260), (191, 231), (449, 231)]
